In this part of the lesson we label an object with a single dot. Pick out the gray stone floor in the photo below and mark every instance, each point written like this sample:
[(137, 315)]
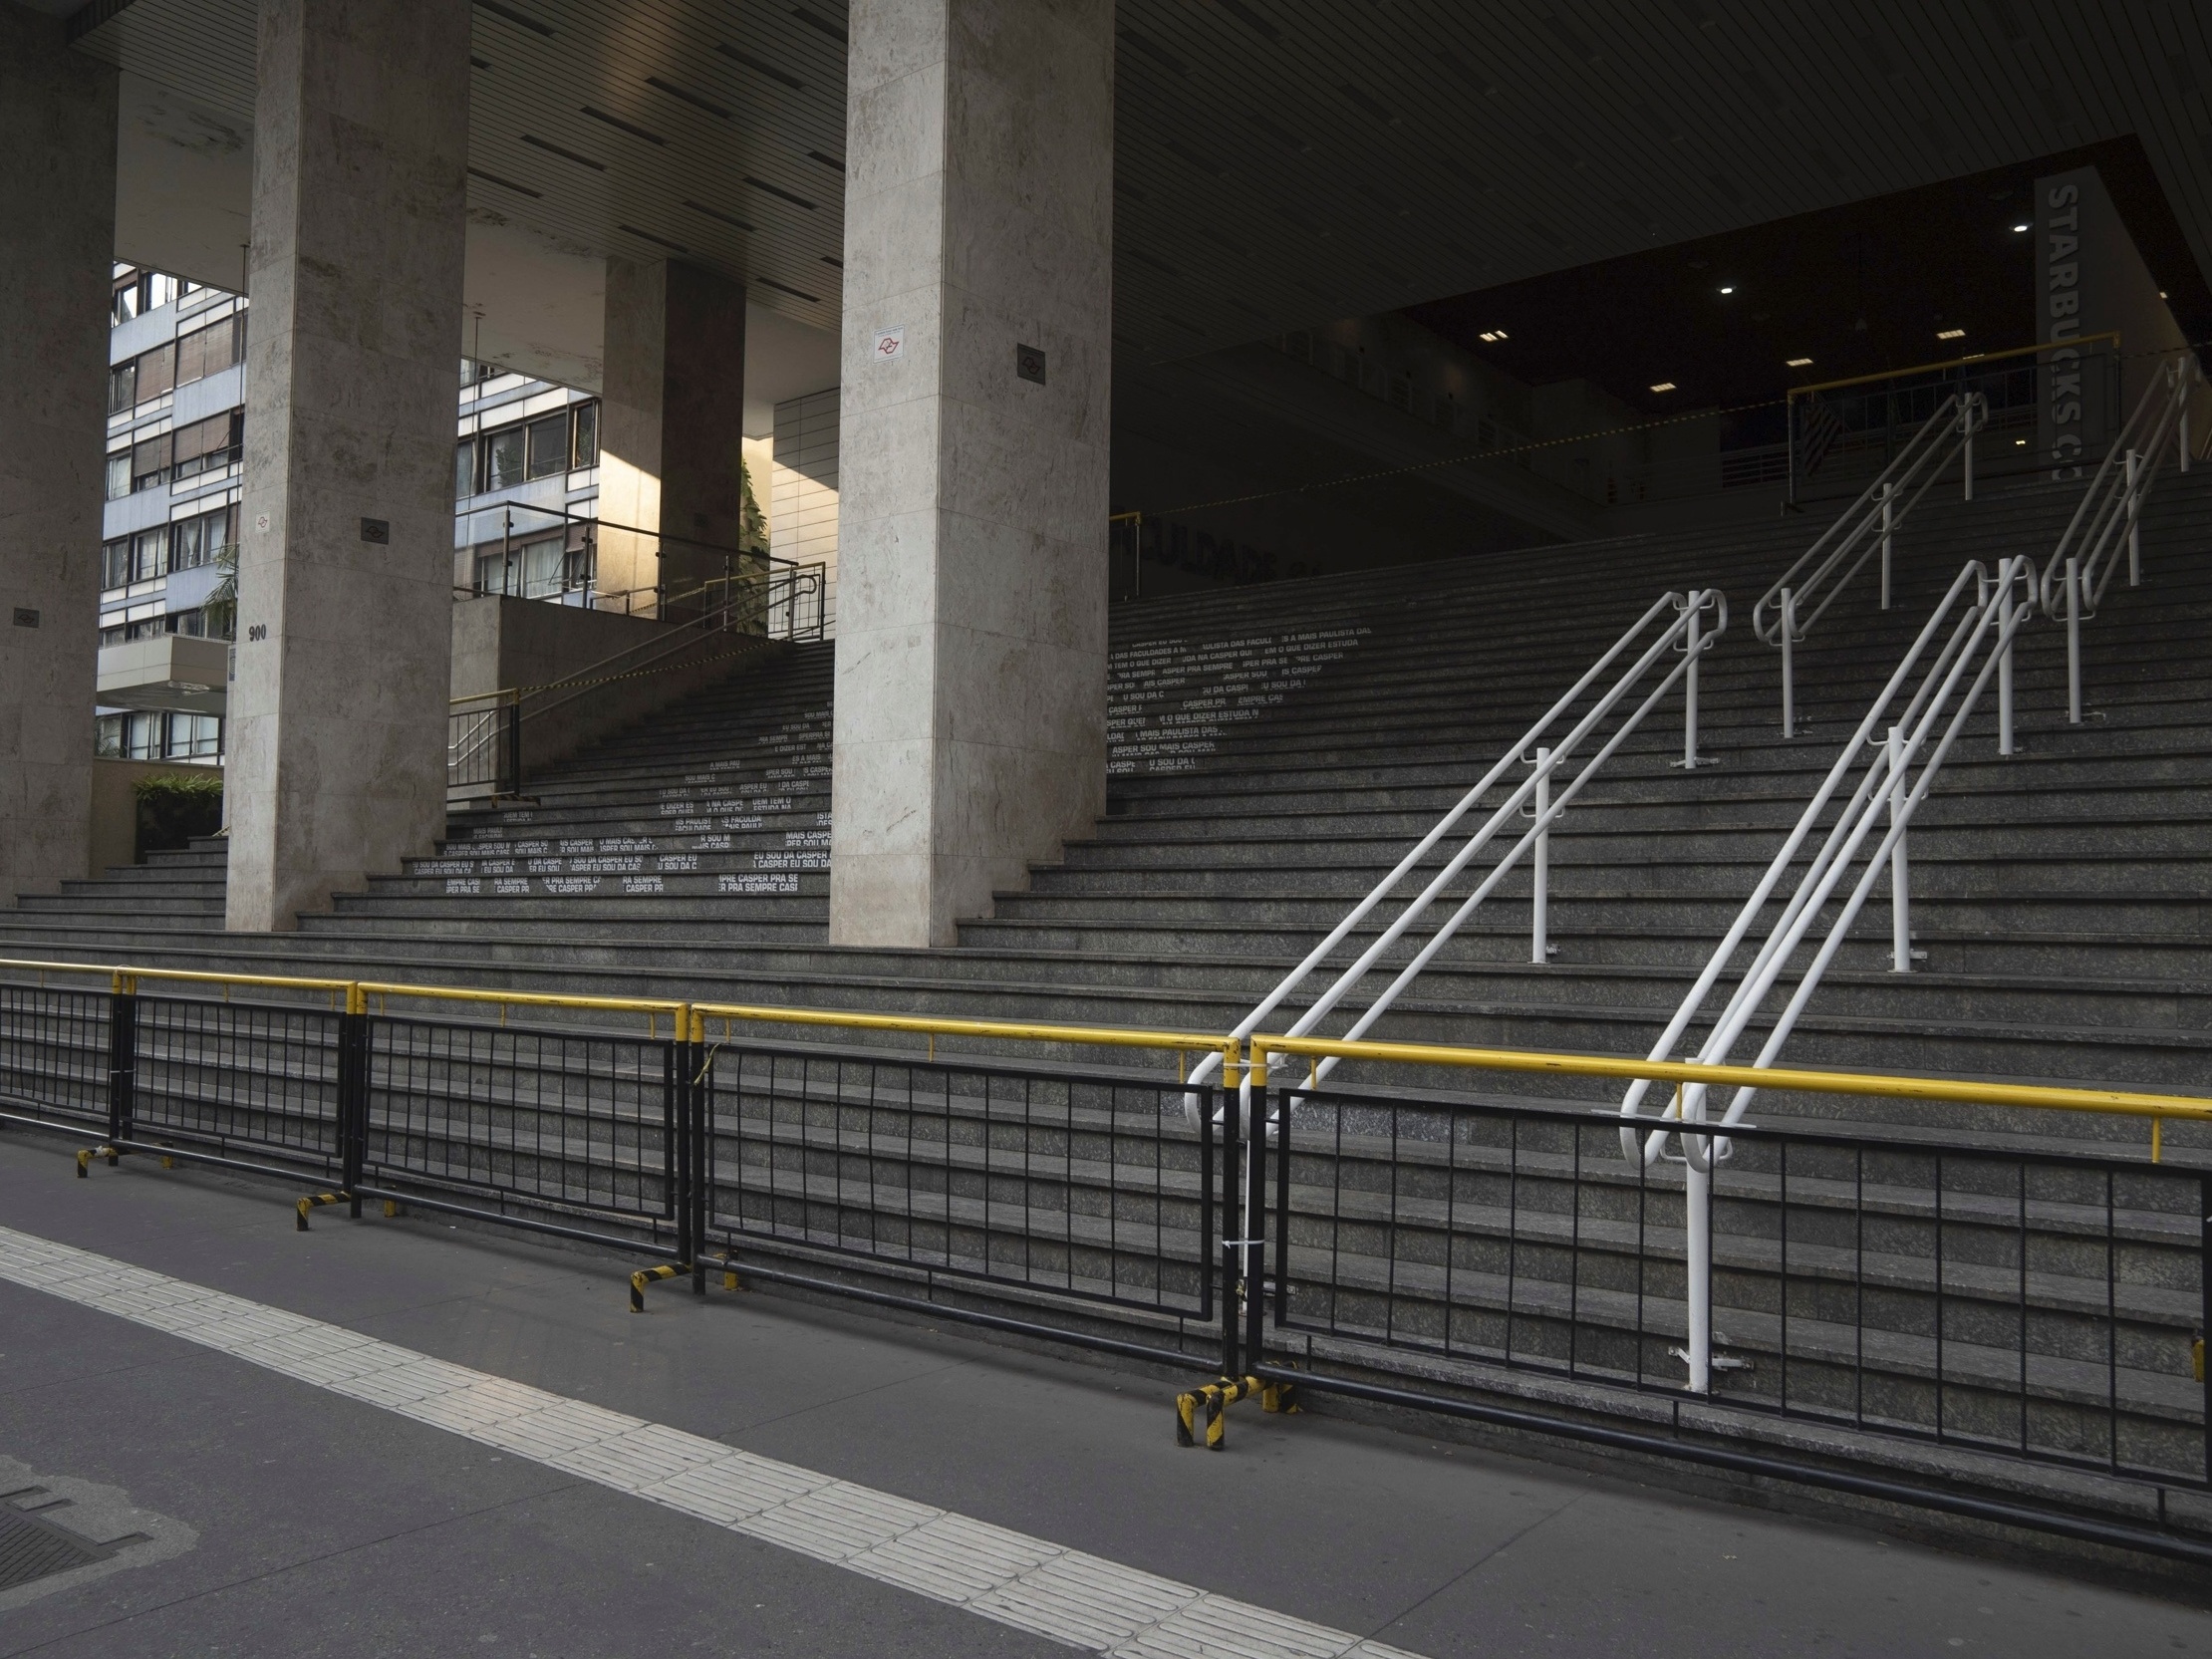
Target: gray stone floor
[(323, 1526)]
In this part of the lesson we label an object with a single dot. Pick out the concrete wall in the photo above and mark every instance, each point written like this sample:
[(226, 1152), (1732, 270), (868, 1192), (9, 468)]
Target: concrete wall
[(500, 643), (56, 236), (338, 714), (970, 713), (115, 807)]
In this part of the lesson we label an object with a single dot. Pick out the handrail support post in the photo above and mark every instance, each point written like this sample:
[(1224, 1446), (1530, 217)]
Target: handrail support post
[(1697, 1218), (1540, 947), (1966, 447), (1900, 882), (2073, 640), (2134, 521), (1788, 681), (1889, 526)]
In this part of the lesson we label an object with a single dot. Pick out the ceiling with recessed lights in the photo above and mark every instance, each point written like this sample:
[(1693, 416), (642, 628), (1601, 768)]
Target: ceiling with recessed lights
[(1280, 163), (1910, 278)]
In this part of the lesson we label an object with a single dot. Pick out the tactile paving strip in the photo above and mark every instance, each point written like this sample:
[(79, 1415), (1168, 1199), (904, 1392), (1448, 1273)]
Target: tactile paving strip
[(1082, 1600)]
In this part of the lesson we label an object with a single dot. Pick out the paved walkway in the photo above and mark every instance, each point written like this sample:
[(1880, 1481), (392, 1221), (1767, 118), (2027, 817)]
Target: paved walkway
[(391, 1437)]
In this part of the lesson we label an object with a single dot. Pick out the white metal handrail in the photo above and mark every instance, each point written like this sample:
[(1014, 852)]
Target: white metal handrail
[(1786, 611), (1700, 618), (1979, 642), (2082, 565)]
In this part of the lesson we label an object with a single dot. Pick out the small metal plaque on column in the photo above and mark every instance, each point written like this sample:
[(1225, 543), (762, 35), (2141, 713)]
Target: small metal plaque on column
[(1029, 363), (24, 616), (376, 529)]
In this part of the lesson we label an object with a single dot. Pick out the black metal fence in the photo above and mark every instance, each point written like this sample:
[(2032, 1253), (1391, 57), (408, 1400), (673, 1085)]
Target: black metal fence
[(2044, 1307), (2038, 1303)]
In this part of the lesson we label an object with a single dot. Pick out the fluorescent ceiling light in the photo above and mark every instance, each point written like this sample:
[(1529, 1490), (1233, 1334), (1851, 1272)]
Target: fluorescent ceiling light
[(2018, 228), (1950, 334), (1664, 385), (1727, 287), (1493, 334), (1799, 363)]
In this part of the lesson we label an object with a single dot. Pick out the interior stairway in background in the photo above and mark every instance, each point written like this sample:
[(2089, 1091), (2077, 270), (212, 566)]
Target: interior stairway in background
[(1277, 748)]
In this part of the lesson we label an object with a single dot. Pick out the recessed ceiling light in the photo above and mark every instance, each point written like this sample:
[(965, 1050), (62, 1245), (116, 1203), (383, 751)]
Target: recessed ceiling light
[(1727, 287), (2018, 228), (1664, 385), (2020, 444), (1950, 334), (1493, 335), (1801, 363), (2162, 293)]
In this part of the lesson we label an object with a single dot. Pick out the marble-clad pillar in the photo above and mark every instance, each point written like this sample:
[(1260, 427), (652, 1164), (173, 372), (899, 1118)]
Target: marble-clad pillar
[(338, 713), (970, 707), (56, 237)]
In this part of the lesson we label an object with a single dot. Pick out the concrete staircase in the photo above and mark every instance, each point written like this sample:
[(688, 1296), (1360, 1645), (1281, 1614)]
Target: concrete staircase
[(1277, 749)]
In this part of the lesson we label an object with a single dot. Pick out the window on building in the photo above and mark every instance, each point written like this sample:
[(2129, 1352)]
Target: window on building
[(128, 289), (206, 443), (190, 622), (196, 540), (123, 387), (504, 458), (209, 350), (160, 737), (118, 475), (538, 449), (149, 554), (156, 373), (149, 462), (549, 440), (115, 562)]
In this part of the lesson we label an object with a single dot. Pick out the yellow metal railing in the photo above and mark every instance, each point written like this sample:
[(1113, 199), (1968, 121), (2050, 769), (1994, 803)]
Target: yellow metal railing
[(1974, 362), (691, 1021)]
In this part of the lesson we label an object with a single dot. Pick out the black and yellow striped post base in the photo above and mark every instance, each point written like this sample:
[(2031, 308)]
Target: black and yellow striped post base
[(1208, 1404), (315, 1200), (85, 1156), (646, 1275)]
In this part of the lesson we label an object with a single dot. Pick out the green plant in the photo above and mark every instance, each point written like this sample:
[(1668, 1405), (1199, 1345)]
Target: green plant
[(174, 807), (220, 607)]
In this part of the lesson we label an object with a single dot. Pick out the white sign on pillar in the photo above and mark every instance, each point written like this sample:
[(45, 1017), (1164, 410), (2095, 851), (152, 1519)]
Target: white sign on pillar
[(891, 344)]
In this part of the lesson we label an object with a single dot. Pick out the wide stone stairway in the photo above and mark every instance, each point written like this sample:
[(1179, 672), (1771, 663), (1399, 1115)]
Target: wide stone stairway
[(1274, 753)]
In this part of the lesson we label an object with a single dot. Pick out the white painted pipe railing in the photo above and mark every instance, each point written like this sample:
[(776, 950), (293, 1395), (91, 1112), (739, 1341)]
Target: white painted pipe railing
[(1789, 611), (1702, 614), (1975, 644), (2081, 568)]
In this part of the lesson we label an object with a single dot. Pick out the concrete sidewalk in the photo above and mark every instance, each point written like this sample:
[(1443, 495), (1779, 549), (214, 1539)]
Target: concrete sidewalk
[(327, 1526)]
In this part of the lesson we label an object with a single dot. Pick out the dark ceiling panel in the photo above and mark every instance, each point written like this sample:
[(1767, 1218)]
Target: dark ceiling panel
[(1284, 161)]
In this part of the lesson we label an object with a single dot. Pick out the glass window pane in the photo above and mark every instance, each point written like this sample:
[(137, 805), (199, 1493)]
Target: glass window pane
[(506, 458), (542, 563), (464, 470), (115, 562), (123, 387), (118, 475), (149, 554), (156, 371), (549, 445), (587, 435)]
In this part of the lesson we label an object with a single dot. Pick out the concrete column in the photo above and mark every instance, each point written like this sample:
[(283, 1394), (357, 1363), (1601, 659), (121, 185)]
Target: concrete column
[(56, 237), (971, 718), (672, 424), (345, 583)]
